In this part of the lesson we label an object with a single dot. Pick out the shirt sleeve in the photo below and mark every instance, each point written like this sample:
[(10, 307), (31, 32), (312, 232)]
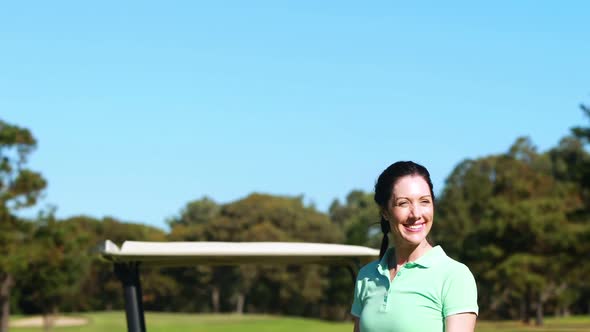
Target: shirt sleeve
[(357, 303), (460, 293)]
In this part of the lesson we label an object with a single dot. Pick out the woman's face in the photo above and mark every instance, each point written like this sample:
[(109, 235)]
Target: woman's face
[(410, 211)]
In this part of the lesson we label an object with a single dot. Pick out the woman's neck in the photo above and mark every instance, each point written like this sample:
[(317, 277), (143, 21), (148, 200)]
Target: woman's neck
[(409, 253)]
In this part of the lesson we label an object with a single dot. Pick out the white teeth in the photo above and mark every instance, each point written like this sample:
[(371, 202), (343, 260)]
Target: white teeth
[(415, 226)]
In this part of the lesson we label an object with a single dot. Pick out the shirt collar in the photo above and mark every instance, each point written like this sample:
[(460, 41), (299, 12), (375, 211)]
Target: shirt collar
[(427, 260), (431, 257)]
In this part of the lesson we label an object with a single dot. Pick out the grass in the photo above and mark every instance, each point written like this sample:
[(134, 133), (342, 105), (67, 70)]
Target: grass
[(167, 322)]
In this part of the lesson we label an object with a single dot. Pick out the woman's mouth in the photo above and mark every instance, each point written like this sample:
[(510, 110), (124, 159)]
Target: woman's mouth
[(415, 227)]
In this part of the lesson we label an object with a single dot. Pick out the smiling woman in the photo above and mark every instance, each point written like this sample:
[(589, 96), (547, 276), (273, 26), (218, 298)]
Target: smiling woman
[(414, 286)]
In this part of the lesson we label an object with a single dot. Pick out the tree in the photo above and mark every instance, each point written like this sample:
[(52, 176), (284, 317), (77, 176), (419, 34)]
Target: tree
[(576, 165), (100, 289), (583, 166), (261, 288), (507, 217), (260, 217), (20, 187), (195, 284), (583, 132), (197, 212), (359, 218), (56, 266)]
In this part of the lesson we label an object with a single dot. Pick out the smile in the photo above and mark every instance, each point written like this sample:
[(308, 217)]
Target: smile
[(415, 227)]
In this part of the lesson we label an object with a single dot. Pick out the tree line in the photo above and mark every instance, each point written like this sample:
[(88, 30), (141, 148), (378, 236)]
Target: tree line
[(520, 220)]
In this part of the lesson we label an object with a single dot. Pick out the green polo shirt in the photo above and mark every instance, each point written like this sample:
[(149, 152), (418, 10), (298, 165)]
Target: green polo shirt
[(421, 296)]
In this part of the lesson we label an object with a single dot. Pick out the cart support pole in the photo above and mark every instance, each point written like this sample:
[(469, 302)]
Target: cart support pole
[(128, 273)]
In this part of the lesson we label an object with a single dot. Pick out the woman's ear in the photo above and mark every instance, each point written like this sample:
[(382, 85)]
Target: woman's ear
[(384, 214)]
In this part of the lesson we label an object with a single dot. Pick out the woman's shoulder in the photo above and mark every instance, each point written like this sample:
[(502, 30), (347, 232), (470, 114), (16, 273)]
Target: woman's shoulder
[(454, 269), (451, 265)]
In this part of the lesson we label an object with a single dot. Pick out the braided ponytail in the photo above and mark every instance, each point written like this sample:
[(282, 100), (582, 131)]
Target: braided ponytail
[(385, 241)]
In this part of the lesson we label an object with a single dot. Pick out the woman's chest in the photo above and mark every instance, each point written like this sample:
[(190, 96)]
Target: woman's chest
[(402, 305)]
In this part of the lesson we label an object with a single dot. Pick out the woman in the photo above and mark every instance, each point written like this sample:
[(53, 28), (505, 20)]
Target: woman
[(413, 286)]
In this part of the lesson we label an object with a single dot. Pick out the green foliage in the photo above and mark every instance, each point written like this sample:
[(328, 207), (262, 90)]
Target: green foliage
[(19, 187), (509, 218), (197, 212), (583, 132), (359, 218), (100, 289), (258, 217), (55, 267)]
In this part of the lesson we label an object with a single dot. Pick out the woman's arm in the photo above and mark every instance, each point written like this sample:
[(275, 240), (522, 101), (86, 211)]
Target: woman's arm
[(356, 325), (463, 322)]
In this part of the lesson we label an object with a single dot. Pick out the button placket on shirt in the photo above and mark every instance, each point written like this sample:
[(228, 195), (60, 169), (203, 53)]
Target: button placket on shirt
[(387, 291), (385, 305), (399, 273)]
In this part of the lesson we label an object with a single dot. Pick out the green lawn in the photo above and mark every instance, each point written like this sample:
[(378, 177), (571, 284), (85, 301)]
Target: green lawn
[(161, 322)]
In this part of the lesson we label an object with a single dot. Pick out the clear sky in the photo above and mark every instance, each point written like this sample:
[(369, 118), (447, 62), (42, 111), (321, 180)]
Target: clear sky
[(140, 107)]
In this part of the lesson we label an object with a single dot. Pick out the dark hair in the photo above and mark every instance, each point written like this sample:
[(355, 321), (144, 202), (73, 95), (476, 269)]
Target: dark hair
[(384, 186)]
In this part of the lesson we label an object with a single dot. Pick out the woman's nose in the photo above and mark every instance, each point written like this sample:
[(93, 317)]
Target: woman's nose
[(415, 212)]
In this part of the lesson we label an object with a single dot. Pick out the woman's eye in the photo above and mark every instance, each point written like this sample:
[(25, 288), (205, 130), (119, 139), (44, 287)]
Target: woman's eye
[(403, 203)]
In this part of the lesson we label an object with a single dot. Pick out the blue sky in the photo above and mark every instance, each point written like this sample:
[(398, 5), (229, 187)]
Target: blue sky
[(140, 107)]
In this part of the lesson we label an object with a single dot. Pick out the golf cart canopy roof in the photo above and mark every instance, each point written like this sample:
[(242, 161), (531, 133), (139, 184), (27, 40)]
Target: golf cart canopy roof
[(233, 253)]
